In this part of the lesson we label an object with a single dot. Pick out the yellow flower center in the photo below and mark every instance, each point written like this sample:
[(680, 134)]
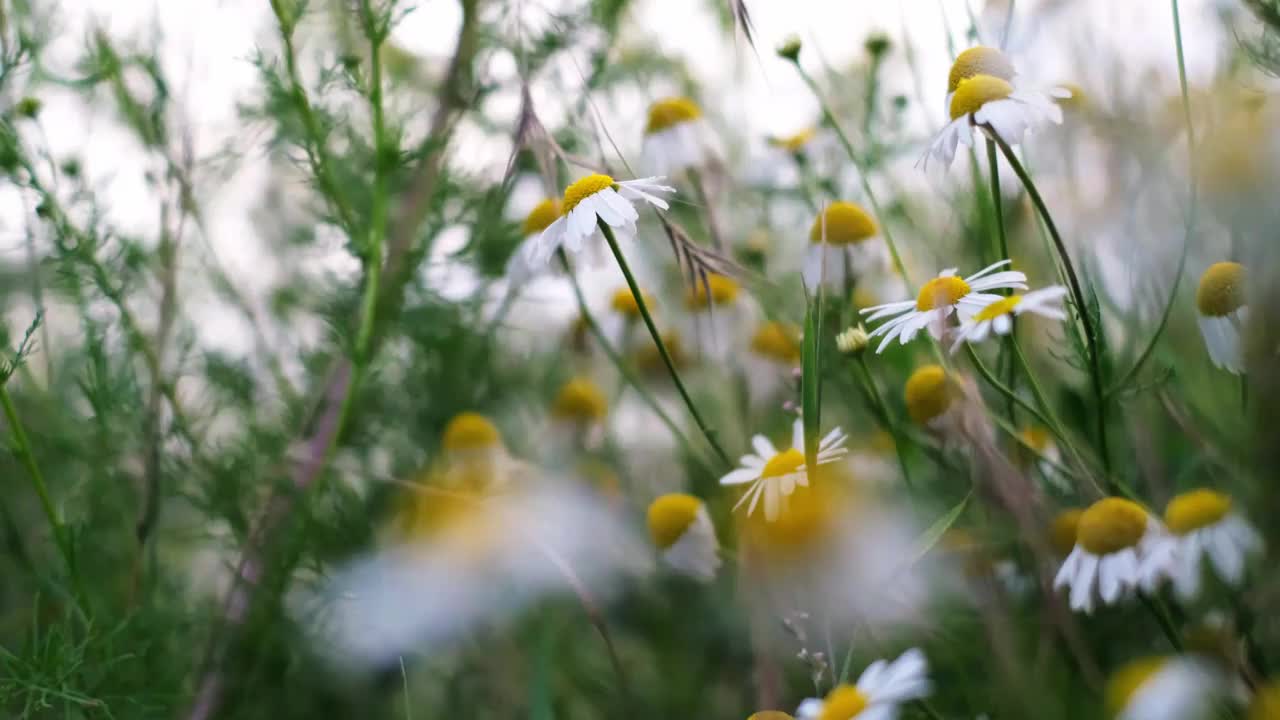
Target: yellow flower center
[(582, 189), (723, 291), (470, 431), (977, 91), (1126, 682), (1111, 525), (1063, 532), (1038, 438), (1266, 703), (671, 111), (624, 303), (670, 516), (778, 342), (802, 527), (1196, 509), (580, 400), (648, 359), (979, 60), (1000, 307), (845, 224), (941, 292), (541, 216), (784, 463), (843, 703), (794, 143), (1078, 99), (928, 393), (1221, 290), (771, 715)]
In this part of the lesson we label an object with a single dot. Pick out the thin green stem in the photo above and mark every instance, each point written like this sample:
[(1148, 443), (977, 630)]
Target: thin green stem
[(1043, 401), (1161, 614), (657, 340), (1077, 294), (22, 446), (1002, 253), (858, 167), (890, 422)]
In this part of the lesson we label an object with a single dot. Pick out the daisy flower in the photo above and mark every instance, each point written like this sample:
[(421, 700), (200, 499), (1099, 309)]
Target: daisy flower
[(539, 218), (770, 715), (623, 314), (587, 202), (718, 313), (474, 453), (1112, 537), (771, 357), (843, 240), (881, 689), (938, 299), (774, 474), (1200, 523), (675, 137), (578, 412), (682, 531), (1181, 687), (931, 397), (998, 316), (1223, 313), (982, 94)]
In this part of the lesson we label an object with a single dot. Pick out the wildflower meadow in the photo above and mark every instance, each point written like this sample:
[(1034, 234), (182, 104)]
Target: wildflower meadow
[(586, 359)]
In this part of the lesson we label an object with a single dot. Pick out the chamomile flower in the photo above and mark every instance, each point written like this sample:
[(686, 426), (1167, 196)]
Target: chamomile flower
[(588, 201), (1220, 300), (580, 401), (474, 453), (1201, 523), (843, 240), (998, 315), (681, 529), (938, 299), (770, 715), (718, 312), (675, 136), (978, 60), (1182, 687), (774, 474), (1112, 537), (995, 105), (623, 314), (881, 689), (931, 397), (771, 357), (539, 218)]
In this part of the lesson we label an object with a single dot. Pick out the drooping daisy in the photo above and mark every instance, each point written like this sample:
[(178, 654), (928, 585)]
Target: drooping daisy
[(675, 137), (772, 356), (844, 240), (998, 316), (1201, 523), (938, 299), (880, 690), (682, 531), (978, 60), (1113, 535), (539, 218), (474, 453), (931, 397), (587, 202), (1220, 300), (718, 312), (995, 106), (774, 474), (1182, 687)]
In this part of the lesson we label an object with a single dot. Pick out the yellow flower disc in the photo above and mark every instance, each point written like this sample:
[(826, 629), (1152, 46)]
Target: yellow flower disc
[(1125, 682), (802, 526), (580, 400), (723, 291), (977, 91), (1111, 525), (670, 516), (1000, 307), (541, 216), (794, 143), (777, 341), (1078, 100), (941, 292), (582, 189), (1221, 290), (1063, 532), (1266, 703), (928, 393), (843, 703), (470, 431), (671, 111), (1196, 509), (846, 223), (979, 60), (770, 715), (624, 303), (1037, 437), (784, 463)]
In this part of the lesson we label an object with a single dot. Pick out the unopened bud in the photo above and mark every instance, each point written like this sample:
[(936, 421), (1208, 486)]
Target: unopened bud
[(790, 48), (853, 341)]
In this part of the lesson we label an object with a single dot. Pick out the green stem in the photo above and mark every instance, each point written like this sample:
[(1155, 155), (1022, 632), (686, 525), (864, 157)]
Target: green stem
[(1077, 294), (25, 453), (997, 208), (857, 166), (657, 340), (890, 423), (1161, 614)]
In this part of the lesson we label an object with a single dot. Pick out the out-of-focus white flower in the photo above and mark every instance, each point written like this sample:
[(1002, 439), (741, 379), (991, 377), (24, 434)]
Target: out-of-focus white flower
[(619, 321), (774, 474), (539, 218), (1112, 538), (1184, 687), (932, 398), (938, 299), (474, 454), (675, 137), (471, 559), (718, 314), (771, 358), (881, 689), (1220, 300), (998, 315), (681, 529), (1200, 524), (844, 240), (588, 201)]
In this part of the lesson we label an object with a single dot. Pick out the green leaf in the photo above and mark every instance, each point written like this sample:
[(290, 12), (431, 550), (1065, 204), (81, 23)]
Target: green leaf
[(931, 536), (811, 380)]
